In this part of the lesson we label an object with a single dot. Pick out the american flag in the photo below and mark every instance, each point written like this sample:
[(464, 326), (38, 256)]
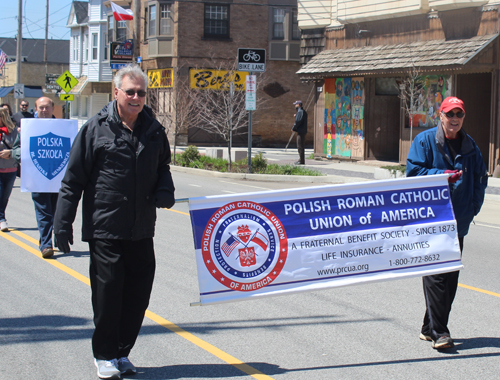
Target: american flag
[(3, 59), (229, 245)]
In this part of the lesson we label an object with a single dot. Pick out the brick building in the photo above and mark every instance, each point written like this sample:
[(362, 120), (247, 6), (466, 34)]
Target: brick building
[(171, 39), (183, 36)]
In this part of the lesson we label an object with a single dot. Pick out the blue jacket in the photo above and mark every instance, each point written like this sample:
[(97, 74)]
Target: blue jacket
[(429, 155)]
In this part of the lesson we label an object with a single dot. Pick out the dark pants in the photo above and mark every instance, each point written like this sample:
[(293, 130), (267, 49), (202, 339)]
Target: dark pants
[(301, 146), (6, 184), (439, 292), (45, 208), (121, 278)]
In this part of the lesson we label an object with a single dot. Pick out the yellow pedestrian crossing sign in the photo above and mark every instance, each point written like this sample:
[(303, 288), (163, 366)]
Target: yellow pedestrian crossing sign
[(67, 97), (67, 81)]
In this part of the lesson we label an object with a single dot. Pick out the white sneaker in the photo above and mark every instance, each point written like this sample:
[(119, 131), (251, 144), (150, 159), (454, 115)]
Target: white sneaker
[(126, 367), (107, 369), (4, 227)]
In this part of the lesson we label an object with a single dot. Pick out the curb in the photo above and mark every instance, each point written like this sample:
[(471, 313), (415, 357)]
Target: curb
[(329, 178), (270, 177)]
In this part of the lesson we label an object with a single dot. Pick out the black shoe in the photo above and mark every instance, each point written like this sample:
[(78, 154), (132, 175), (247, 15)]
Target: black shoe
[(299, 163), (443, 342)]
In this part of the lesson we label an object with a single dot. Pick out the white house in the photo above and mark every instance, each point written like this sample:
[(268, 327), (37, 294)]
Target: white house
[(89, 58)]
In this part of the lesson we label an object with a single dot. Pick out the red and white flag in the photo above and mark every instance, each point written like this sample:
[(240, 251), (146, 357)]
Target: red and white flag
[(120, 13), (3, 59)]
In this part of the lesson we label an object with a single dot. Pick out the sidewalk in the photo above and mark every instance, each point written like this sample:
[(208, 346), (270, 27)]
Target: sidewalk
[(337, 171)]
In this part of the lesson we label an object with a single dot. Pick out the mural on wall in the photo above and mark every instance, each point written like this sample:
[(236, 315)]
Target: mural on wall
[(433, 89), (344, 117)]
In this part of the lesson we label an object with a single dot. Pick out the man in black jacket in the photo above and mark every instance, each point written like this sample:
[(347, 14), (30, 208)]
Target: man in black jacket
[(300, 127), (120, 162), (22, 114)]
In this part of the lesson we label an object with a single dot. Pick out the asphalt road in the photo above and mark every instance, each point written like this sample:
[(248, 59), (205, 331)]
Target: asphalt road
[(365, 331)]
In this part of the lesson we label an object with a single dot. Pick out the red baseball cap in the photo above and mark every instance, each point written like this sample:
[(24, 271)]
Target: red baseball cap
[(450, 103)]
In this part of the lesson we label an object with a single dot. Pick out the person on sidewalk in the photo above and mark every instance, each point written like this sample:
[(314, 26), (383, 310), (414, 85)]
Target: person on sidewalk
[(119, 161), (45, 203), (448, 149), (22, 114), (8, 166), (300, 127)]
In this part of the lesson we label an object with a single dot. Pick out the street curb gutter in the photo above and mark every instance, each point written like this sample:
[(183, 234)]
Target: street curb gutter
[(270, 177)]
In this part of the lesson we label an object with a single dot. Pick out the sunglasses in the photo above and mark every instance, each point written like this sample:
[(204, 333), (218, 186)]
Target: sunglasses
[(451, 114), (24, 105), (130, 92)]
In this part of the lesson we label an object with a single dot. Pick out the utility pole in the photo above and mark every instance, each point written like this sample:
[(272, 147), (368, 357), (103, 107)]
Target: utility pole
[(46, 33), (137, 29), (19, 46)]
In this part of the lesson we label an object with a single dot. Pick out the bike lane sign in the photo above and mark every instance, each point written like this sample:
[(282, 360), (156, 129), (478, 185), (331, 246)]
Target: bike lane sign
[(252, 60)]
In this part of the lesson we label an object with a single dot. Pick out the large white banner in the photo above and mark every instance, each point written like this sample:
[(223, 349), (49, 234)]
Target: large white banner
[(274, 243), (45, 146)]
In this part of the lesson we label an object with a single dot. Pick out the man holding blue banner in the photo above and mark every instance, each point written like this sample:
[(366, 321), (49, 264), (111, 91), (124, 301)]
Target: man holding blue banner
[(45, 202), (120, 163), (448, 149)]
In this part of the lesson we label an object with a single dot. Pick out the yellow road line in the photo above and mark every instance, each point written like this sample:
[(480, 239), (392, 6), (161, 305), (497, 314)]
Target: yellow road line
[(479, 290), (229, 359), (179, 212), (207, 347)]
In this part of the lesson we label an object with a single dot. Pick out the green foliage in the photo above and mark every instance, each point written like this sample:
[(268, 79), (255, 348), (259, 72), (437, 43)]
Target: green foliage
[(311, 156), (395, 168), (192, 159), (259, 163), (189, 156)]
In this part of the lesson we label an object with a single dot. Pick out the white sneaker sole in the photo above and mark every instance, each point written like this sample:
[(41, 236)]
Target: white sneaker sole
[(100, 376)]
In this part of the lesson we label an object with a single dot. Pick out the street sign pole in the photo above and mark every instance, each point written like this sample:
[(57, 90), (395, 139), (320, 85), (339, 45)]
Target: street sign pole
[(251, 60), (250, 138)]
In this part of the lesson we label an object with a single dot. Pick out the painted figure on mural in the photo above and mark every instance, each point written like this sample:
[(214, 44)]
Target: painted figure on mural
[(339, 88)]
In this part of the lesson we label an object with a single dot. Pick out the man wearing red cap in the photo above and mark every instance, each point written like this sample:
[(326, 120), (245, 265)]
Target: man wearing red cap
[(448, 149)]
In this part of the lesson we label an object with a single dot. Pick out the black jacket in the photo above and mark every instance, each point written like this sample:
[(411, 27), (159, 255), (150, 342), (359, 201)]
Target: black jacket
[(16, 118), (300, 125), (121, 184)]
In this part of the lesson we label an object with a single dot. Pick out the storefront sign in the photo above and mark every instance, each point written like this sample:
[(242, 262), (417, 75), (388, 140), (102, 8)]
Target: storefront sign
[(161, 78), (122, 51), (208, 79)]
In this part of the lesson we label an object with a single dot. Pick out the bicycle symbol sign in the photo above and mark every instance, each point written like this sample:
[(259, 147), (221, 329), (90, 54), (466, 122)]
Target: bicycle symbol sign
[(252, 60), (251, 55)]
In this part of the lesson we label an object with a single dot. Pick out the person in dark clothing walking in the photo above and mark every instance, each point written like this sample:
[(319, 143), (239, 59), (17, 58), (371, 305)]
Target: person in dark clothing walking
[(300, 127), (22, 114), (120, 162), (448, 149)]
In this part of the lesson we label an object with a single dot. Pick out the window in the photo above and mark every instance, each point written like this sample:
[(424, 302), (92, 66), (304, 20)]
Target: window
[(106, 38), (111, 29), (159, 20), (86, 46), (278, 23), (121, 31), (75, 48), (166, 19), (284, 33), (217, 21), (117, 30), (295, 26), (74, 107), (152, 20), (95, 46), (84, 106)]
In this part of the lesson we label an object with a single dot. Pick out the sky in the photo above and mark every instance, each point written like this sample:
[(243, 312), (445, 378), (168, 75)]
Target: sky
[(34, 18)]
